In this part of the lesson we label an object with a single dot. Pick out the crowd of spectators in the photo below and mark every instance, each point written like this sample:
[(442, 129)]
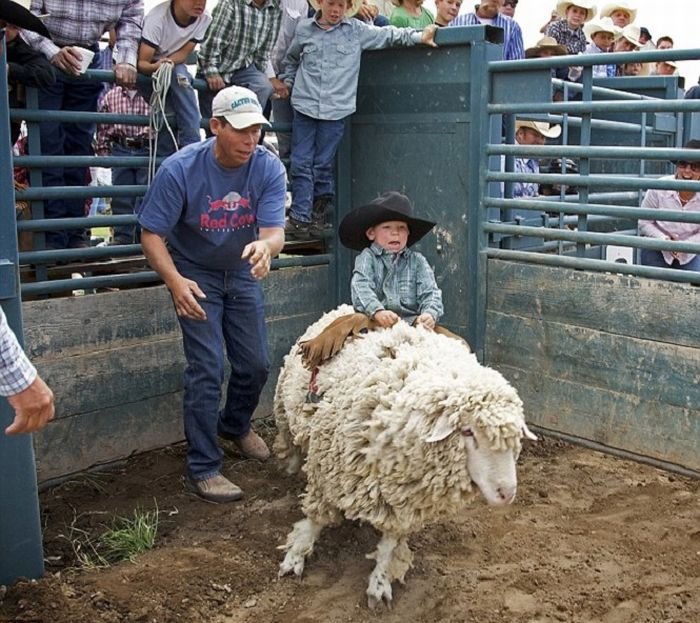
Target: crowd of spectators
[(305, 76)]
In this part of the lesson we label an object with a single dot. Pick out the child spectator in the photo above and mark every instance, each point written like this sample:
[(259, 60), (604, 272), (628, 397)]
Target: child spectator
[(390, 281), (410, 14), (121, 139), (602, 33), (446, 11), (621, 13), (664, 43), (508, 8), (170, 32), (322, 66), (569, 29)]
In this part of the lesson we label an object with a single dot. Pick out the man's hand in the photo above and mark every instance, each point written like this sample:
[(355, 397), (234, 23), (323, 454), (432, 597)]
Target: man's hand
[(426, 320), (367, 11), (215, 83), (281, 89), (258, 254), (34, 407), (125, 75), (185, 293), (428, 36), (68, 60), (385, 318)]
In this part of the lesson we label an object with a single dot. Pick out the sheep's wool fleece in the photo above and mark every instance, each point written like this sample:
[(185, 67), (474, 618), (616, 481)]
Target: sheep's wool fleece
[(367, 442)]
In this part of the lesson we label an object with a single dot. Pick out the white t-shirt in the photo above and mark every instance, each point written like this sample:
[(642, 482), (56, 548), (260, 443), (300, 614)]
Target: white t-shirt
[(162, 32)]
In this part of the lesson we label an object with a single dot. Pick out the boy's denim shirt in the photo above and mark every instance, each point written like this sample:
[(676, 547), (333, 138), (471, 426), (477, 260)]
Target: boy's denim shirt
[(400, 282), (322, 66)]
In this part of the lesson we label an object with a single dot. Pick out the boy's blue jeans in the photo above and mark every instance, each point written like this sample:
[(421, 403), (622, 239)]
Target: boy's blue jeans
[(127, 176), (235, 321), (181, 101), (314, 144)]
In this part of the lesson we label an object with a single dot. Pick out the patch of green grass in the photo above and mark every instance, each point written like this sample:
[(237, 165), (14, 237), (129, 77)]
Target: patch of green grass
[(130, 537)]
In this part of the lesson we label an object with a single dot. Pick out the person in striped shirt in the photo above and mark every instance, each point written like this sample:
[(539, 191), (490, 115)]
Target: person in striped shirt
[(236, 50), (487, 12)]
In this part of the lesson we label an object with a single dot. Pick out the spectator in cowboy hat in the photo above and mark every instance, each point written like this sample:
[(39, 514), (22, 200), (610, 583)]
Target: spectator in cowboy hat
[(508, 8), (569, 29), (621, 13), (17, 13), (628, 41), (602, 33), (531, 133)]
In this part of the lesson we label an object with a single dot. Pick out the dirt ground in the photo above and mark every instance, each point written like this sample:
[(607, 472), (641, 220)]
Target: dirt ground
[(590, 538)]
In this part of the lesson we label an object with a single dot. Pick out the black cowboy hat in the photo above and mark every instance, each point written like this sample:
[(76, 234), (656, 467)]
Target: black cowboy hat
[(17, 13), (693, 143), (390, 206)]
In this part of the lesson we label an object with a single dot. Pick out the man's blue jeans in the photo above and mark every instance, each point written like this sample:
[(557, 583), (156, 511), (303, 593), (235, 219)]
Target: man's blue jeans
[(650, 257), (127, 176), (67, 139), (249, 77), (181, 100), (235, 321), (314, 144)]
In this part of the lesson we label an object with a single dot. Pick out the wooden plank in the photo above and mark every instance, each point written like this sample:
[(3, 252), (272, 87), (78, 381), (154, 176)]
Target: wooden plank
[(644, 427), (73, 444), (617, 304), (651, 371), (297, 291)]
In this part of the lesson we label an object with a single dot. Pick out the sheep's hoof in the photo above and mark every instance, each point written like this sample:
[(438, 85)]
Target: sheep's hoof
[(292, 563), (379, 592)]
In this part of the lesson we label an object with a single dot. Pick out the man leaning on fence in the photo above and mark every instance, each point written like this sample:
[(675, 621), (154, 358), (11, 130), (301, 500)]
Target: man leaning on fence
[(75, 24), (219, 205)]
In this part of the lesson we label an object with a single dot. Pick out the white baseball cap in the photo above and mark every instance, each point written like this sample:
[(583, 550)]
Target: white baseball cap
[(239, 106)]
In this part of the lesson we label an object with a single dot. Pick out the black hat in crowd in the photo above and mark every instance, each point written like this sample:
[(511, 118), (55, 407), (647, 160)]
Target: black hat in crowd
[(17, 13), (693, 143), (390, 206)]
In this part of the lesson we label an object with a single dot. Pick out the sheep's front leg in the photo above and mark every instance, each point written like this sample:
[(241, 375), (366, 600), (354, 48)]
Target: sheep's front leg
[(300, 543), (394, 559)]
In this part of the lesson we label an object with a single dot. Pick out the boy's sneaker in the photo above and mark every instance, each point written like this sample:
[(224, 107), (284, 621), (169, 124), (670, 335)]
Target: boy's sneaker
[(297, 230), (216, 488)]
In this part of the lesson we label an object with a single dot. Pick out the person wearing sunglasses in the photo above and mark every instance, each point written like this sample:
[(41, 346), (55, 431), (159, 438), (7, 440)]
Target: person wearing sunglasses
[(683, 200), (508, 8)]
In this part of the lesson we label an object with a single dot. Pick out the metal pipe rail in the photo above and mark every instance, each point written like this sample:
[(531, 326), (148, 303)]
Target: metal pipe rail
[(653, 105), (593, 181), (594, 238), (564, 261), (607, 152), (84, 192)]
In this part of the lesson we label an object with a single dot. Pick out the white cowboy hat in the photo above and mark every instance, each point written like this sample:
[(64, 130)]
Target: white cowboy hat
[(601, 24), (354, 8), (563, 7), (546, 44), (622, 5), (631, 33), (540, 127)]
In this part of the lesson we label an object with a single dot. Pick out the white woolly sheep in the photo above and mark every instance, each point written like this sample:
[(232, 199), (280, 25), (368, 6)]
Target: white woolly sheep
[(407, 420)]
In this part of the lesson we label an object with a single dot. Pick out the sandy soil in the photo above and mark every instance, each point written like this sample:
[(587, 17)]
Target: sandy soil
[(590, 538)]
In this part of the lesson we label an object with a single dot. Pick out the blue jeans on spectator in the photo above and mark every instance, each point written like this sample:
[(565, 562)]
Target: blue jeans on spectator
[(282, 112), (236, 319), (127, 176), (180, 101), (249, 77), (650, 257), (314, 145), (67, 139)]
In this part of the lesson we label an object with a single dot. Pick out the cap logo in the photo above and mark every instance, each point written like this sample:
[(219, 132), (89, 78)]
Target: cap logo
[(243, 101)]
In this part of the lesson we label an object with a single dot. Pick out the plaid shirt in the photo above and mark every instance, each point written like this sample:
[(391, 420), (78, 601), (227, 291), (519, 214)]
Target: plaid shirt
[(241, 33), (400, 282), (574, 40), (513, 47), (16, 371), (119, 101), (526, 189), (83, 22)]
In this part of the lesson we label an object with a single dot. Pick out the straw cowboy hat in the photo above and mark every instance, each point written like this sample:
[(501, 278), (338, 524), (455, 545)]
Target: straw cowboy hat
[(390, 206), (631, 33), (540, 127), (16, 12), (601, 24), (563, 7), (544, 45), (354, 8), (610, 8)]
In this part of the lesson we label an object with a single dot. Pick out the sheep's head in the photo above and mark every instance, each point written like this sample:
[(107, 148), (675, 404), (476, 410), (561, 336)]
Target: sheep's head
[(491, 424)]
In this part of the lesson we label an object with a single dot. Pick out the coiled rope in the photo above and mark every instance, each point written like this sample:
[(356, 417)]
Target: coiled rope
[(157, 119)]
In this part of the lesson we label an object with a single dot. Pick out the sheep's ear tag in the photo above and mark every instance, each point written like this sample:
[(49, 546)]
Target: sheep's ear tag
[(441, 430)]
